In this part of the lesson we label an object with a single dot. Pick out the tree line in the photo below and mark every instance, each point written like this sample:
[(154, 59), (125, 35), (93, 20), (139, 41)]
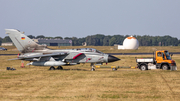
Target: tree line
[(103, 40)]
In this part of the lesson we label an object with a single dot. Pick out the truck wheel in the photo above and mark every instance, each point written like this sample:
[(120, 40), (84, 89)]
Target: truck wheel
[(165, 67), (143, 67)]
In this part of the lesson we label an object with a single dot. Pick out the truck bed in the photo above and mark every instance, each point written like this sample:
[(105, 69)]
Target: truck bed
[(145, 60)]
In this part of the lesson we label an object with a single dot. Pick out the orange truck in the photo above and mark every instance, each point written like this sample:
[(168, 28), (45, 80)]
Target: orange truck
[(161, 60)]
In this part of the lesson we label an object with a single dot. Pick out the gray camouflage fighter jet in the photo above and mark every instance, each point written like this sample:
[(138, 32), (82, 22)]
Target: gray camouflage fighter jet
[(40, 55)]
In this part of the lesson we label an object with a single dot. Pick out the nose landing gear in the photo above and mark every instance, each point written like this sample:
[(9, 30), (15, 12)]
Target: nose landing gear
[(93, 67)]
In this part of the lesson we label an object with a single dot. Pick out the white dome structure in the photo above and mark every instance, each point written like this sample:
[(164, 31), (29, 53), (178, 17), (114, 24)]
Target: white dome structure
[(129, 43)]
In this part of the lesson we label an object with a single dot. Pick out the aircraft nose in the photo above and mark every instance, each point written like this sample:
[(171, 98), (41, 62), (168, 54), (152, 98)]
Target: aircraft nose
[(112, 58)]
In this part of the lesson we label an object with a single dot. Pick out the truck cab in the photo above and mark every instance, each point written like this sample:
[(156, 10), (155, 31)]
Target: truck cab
[(161, 60)]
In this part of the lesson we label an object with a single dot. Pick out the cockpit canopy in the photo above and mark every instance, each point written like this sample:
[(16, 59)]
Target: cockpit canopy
[(89, 50)]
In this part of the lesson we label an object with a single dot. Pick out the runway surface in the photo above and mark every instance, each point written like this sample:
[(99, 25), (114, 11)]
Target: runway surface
[(119, 53), (137, 53), (8, 54)]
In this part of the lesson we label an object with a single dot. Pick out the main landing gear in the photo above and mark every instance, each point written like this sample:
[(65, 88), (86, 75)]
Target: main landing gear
[(58, 68)]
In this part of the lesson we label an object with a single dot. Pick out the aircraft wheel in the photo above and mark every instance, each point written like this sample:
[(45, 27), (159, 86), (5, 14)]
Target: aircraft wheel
[(92, 69), (60, 68), (51, 68), (114, 69), (143, 67), (165, 67)]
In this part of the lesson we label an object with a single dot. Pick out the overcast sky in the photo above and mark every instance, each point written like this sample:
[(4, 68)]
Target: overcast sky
[(80, 18)]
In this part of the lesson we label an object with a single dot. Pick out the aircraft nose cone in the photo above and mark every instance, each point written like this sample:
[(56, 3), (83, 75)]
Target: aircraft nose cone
[(112, 58)]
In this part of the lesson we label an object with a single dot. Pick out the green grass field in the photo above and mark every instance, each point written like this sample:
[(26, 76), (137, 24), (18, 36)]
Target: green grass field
[(78, 83)]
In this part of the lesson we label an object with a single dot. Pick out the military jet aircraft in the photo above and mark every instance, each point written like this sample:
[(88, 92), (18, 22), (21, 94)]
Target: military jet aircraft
[(40, 55)]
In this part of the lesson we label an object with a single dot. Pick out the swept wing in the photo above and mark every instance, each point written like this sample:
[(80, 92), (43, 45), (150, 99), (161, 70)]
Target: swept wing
[(37, 57)]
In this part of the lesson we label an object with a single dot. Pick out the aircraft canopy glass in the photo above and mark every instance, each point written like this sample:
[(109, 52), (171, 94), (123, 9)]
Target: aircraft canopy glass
[(89, 50)]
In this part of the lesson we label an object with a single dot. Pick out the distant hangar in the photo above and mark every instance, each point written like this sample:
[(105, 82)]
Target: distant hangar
[(54, 42)]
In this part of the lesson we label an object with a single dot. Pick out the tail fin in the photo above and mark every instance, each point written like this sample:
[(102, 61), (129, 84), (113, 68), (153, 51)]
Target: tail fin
[(23, 43)]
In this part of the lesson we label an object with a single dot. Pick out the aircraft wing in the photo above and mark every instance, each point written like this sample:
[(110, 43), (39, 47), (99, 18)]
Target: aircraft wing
[(40, 56)]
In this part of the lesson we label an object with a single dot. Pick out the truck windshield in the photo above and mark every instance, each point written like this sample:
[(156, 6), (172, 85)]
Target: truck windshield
[(167, 55)]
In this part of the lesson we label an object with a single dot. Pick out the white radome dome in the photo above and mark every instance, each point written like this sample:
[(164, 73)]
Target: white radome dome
[(131, 43)]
